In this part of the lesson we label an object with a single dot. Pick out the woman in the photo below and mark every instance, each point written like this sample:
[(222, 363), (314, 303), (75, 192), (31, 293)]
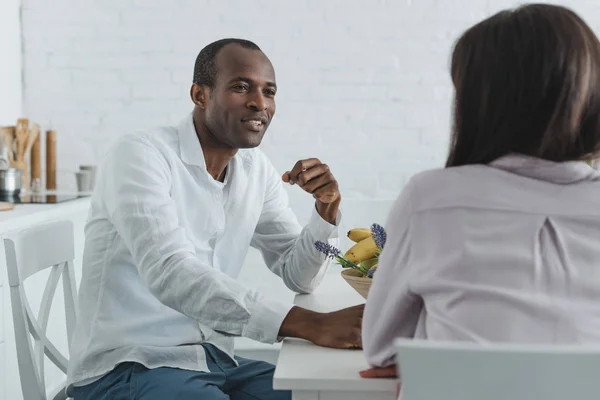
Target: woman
[(503, 245)]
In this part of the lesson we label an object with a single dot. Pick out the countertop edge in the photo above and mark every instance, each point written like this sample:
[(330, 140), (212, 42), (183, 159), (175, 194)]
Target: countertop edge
[(43, 212), (342, 385)]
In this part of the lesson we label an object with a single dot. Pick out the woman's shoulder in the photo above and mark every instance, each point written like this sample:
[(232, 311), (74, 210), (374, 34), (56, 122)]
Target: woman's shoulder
[(444, 177), (469, 185)]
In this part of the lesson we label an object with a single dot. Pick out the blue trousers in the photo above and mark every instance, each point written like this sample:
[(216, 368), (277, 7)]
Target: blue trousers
[(251, 380)]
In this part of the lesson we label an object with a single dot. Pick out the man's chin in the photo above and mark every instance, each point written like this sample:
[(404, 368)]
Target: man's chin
[(250, 142), (248, 145)]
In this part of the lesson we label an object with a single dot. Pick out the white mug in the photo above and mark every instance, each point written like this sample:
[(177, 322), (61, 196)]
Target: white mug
[(91, 169), (84, 181)]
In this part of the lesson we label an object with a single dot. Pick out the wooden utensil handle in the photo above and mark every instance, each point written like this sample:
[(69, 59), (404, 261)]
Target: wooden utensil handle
[(21, 134), (36, 159), (51, 160)]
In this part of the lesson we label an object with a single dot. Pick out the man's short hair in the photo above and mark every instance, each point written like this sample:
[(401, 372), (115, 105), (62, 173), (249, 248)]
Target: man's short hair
[(205, 70)]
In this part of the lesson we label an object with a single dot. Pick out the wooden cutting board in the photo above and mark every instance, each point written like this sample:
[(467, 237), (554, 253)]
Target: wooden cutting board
[(4, 206)]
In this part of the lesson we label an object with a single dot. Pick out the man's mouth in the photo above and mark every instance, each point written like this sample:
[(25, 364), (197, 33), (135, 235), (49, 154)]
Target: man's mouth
[(254, 124)]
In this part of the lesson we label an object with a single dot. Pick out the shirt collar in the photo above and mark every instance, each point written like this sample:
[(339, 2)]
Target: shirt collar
[(191, 149), (189, 144), (544, 170)]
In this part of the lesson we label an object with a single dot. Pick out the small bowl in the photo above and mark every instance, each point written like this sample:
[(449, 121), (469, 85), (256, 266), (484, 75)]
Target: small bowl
[(358, 283)]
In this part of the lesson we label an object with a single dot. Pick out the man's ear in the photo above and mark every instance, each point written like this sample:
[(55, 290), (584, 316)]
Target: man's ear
[(200, 95)]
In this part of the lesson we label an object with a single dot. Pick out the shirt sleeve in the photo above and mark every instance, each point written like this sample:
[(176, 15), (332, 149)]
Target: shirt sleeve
[(135, 186), (391, 310), (287, 248)]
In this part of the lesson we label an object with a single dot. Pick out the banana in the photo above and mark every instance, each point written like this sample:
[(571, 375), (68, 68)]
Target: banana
[(359, 234), (370, 263), (363, 250)]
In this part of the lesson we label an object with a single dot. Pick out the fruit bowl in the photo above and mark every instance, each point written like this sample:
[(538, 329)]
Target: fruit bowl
[(361, 261), (360, 283)]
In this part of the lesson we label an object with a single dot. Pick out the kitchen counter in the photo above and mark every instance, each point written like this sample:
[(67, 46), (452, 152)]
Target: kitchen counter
[(25, 214)]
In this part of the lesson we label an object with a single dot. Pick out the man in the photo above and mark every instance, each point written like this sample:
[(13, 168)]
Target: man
[(172, 217)]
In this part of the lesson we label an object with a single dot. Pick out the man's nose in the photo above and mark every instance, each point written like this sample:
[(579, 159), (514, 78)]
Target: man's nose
[(257, 102)]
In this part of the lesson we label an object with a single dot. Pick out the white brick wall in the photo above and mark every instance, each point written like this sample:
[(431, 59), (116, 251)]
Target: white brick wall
[(10, 62), (364, 84)]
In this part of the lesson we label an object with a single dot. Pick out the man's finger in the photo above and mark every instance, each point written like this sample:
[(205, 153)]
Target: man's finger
[(386, 372), (306, 176), (301, 166), (317, 182)]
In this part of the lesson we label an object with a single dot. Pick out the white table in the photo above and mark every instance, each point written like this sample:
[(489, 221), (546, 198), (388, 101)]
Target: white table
[(318, 373)]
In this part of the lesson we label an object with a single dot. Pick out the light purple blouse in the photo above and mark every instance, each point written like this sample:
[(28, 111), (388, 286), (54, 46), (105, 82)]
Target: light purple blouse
[(508, 252)]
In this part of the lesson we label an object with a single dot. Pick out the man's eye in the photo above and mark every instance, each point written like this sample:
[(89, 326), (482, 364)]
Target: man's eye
[(240, 88), (270, 92)]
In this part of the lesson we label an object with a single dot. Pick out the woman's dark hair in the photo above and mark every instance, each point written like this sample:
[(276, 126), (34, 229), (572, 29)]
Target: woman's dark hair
[(527, 81)]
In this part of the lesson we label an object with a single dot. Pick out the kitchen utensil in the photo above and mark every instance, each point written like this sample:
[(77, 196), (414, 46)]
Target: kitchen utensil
[(11, 181), (21, 135), (36, 161), (20, 165), (8, 135), (19, 144), (35, 132), (36, 185), (31, 138), (51, 160), (3, 156)]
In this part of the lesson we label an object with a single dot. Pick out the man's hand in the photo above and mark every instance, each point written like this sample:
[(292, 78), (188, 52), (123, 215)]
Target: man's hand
[(339, 329), (315, 178), (377, 372)]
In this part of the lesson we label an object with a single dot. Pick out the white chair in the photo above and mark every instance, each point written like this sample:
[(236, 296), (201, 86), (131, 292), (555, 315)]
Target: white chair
[(28, 252), (469, 371)]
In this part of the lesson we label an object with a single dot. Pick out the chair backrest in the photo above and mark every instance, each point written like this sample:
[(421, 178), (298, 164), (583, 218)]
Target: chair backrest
[(28, 252), (470, 371)]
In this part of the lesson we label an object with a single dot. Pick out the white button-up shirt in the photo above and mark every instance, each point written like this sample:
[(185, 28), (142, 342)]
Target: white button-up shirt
[(508, 252), (164, 245)]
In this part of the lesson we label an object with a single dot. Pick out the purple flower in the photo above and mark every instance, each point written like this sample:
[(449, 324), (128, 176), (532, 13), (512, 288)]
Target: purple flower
[(371, 271), (379, 235), (327, 249)]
